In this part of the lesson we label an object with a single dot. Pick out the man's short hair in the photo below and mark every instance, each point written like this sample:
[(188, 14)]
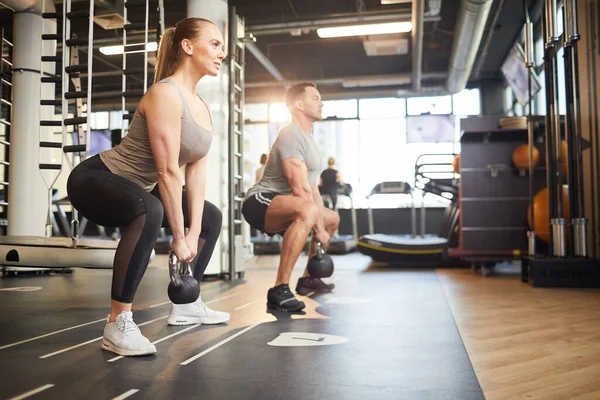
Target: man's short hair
[(294, 92)]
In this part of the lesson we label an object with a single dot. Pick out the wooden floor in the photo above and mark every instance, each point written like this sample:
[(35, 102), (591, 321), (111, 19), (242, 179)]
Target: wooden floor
[(524, 343), (527, 343)]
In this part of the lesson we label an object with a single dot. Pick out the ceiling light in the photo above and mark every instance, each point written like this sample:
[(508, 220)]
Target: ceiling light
[(395, 1), (136, 48), (359, 30)]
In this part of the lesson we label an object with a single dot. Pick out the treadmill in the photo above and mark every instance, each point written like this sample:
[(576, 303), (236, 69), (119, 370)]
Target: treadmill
[(264, 244), (417, 248), (343, 244)]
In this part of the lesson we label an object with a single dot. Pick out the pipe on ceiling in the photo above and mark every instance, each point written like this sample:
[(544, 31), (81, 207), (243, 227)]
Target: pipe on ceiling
[(269, 66), (470, 25), (354, 81), (287, 27), (418, 11)]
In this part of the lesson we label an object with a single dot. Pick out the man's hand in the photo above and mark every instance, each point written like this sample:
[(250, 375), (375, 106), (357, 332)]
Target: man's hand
[(322, 237)]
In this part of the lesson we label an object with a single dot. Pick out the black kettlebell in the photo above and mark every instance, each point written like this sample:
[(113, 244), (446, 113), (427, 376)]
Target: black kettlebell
[(184, 288), (320, 265)]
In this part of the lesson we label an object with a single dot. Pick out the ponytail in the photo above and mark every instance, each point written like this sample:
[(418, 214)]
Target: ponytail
[(168, 54), (169, 48)]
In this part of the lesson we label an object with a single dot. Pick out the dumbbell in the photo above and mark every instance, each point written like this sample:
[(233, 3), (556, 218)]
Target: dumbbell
[(320, 265), (184, 288)]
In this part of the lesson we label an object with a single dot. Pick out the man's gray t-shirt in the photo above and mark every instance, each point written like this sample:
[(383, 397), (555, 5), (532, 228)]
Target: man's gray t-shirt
[(291, 142)]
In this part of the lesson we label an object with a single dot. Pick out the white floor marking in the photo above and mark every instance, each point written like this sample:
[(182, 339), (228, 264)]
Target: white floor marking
[(246, 305), (225, 297), (160, 304), (51, 333), (34, 391), (70, 348), (21, 289), (299, 339), (94, 340), (221, 343), (162, 339), (126, 394)]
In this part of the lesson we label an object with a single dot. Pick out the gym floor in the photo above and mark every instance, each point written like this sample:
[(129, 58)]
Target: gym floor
[(384, 333)]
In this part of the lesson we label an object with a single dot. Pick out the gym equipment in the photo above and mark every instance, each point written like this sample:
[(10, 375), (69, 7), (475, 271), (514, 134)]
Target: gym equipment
[(520, 157), (456, 164), (320, 265), (566, 262), (541, 212), (416, 249), (342, 244), (184, 288), (265, 244)]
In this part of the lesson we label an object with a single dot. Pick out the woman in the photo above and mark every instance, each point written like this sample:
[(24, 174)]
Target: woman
[(137, 182), (261, 170), (330, 182)]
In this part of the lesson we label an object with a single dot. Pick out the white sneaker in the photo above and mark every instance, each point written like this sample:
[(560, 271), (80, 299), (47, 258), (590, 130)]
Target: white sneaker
[(124, 338), (196, 313)]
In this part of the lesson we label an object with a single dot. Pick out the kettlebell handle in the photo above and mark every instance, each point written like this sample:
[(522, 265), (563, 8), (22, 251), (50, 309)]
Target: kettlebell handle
[(186, 269), (320, 251), (174, 269)]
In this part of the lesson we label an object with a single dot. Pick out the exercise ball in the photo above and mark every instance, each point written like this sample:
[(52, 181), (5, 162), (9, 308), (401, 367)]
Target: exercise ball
[(520, 157), (456, 164), (541, 210)]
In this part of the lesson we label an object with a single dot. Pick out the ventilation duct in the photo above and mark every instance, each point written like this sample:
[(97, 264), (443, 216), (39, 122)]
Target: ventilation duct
[(470, 25)]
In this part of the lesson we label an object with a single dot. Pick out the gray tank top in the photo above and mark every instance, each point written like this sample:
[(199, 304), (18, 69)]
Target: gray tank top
[(133, 159)]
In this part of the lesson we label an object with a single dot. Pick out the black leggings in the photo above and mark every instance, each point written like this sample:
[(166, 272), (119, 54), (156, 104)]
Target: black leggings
[(108, 199)]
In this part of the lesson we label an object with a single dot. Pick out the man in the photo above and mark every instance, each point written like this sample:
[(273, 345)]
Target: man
[(287, 200)]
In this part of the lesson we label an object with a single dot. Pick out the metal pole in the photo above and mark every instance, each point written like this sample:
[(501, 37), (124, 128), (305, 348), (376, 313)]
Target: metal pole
[(232, 28), (550, 145)]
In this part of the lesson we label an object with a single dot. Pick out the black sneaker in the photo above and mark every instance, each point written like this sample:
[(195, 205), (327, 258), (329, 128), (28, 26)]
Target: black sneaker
[(313, 285), (280, 298)]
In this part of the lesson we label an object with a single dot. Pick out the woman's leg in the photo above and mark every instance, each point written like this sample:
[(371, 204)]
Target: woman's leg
[(212, 220), (110, 200), (198, 312)]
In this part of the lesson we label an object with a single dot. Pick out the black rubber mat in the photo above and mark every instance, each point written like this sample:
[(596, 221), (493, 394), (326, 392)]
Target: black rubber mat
[(398, 340)]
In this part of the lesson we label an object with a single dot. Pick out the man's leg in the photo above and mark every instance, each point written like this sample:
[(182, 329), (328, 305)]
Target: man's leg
[(306, 284), (297, 217)]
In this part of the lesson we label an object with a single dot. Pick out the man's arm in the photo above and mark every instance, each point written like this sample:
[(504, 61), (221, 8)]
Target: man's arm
[(296, 174)]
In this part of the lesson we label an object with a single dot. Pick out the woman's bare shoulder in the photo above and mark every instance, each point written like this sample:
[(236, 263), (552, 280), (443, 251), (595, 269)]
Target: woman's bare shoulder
[(160, 95)]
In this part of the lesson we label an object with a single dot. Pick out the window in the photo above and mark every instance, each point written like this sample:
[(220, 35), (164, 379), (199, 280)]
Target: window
[(340, 109), (278, 112), (467, 102), (258, 112), (382, 108)]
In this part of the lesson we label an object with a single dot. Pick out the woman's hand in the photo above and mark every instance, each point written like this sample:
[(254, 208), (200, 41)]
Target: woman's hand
[(192, 243), (182, 251)]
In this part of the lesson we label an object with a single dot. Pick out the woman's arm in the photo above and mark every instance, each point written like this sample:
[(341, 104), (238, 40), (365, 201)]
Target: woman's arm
[(195, 186), (163, 108)]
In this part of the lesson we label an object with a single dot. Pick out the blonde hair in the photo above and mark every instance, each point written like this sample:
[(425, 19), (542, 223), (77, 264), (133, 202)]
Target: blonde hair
[(169, 49), (331, 161)]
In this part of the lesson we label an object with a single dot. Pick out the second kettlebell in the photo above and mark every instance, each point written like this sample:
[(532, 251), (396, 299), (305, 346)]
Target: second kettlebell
[(321, 264)]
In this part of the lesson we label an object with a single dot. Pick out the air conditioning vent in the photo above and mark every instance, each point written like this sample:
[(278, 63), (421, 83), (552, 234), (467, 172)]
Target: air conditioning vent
[(384, 46)]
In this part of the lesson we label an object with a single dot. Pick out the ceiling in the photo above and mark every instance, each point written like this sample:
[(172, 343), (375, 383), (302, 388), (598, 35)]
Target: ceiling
[(341, 67)]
